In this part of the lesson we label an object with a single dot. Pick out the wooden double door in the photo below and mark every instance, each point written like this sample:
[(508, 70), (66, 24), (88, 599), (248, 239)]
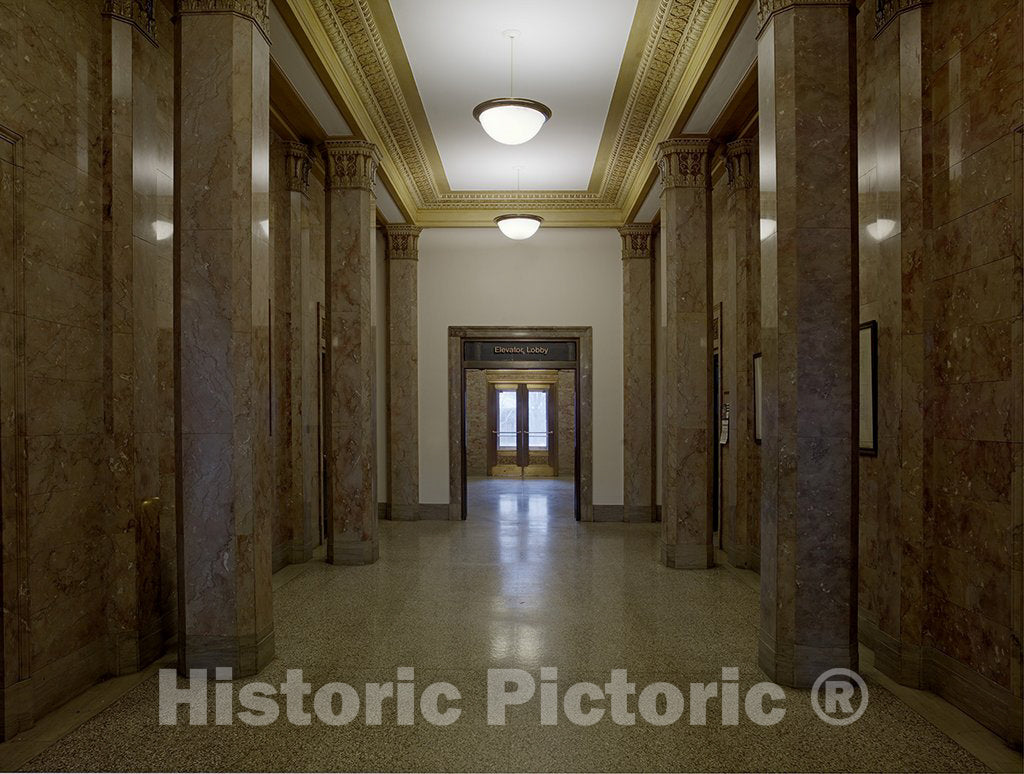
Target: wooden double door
[(523, 423)]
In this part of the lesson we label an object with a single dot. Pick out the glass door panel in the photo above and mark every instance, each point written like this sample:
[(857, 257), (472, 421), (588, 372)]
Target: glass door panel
[(538, 419), (507, 420)]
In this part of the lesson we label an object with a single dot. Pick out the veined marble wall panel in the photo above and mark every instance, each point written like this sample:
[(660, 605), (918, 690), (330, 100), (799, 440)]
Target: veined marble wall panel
[(974, 357), (53, 85)]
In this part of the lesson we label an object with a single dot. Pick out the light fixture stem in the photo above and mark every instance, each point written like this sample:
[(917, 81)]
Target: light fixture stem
[(511, 65)]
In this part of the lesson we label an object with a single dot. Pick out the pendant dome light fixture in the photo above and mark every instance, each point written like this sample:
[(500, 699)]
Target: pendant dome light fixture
[(511, 120), (518, 226)]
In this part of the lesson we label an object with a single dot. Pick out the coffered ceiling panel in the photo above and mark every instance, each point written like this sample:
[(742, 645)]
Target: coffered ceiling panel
[(568, 56)]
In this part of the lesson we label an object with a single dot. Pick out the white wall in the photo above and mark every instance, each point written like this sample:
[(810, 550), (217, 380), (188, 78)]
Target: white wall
[(564, 277)]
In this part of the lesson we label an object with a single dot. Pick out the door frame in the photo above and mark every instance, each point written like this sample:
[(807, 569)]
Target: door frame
[(583, 336)]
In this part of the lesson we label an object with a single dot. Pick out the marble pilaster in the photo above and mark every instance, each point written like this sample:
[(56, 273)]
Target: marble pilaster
[(686, 448), (351, 430), (222, 305), (638, 371), (137, 274), (402, 372), (296, 357), (892, 557), (806, 83), (741, 535), (16, 687)]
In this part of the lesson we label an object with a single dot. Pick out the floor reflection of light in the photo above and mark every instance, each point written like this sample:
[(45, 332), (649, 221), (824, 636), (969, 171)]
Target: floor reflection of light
[(508, 505), (499, 641), (538, 513)]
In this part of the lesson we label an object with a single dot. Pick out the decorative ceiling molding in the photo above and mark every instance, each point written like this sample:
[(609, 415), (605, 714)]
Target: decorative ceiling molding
[(676, 30)]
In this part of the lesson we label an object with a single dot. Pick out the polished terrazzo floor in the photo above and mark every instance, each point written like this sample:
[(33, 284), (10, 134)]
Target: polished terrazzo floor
[(519, 584)]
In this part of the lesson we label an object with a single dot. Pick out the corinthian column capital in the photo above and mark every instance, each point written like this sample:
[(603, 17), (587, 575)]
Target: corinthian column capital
[(296, 166), (140, 13), (350, 164), (684, 162), (256, 10), (402, 242), (739, 155), (887, 10), (637, 240), (768, 8)]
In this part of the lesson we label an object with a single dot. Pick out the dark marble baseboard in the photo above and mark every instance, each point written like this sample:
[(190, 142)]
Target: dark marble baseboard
[(924, 667), (686, 557), (607, 513), (744, 557), (989, 703), (421, 512), (631, 514)]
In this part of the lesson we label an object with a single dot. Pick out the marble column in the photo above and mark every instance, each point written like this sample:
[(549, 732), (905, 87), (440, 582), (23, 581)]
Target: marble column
[(807, 152), (741, 535), (638, 371), (351, 417), (296, 360), (222, 305), (687, 422), (403, 375)]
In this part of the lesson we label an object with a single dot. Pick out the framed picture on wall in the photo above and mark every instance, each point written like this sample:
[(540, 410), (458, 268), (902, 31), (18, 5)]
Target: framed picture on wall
[(758, 398), (869, 388)]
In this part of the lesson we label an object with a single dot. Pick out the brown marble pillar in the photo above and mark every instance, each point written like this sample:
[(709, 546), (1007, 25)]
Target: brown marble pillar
[(806, 71), (638, 371), (222, 305), (296, 360), (351, 417), (742, 526), (403, 375), (687, 420)]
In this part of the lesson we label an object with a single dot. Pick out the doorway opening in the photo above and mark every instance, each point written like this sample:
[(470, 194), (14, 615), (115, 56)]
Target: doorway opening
[(520, 412), (520, 442)]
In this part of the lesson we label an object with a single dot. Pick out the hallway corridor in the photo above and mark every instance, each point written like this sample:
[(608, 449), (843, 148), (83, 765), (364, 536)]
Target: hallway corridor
[(522, 585)]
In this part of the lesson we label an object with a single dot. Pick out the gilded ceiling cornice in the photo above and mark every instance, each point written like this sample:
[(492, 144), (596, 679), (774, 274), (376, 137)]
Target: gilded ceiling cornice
[(359, 46)]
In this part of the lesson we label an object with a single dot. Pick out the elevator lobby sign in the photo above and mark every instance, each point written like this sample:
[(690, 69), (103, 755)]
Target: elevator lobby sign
[(492, 351)]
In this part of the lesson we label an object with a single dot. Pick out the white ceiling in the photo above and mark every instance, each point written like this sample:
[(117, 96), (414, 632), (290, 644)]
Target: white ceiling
[(459, 58), (303, 78)]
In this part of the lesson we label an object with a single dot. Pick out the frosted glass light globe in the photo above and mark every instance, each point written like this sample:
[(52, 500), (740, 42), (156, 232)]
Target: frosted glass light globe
[(518, 226), (511, 121)]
